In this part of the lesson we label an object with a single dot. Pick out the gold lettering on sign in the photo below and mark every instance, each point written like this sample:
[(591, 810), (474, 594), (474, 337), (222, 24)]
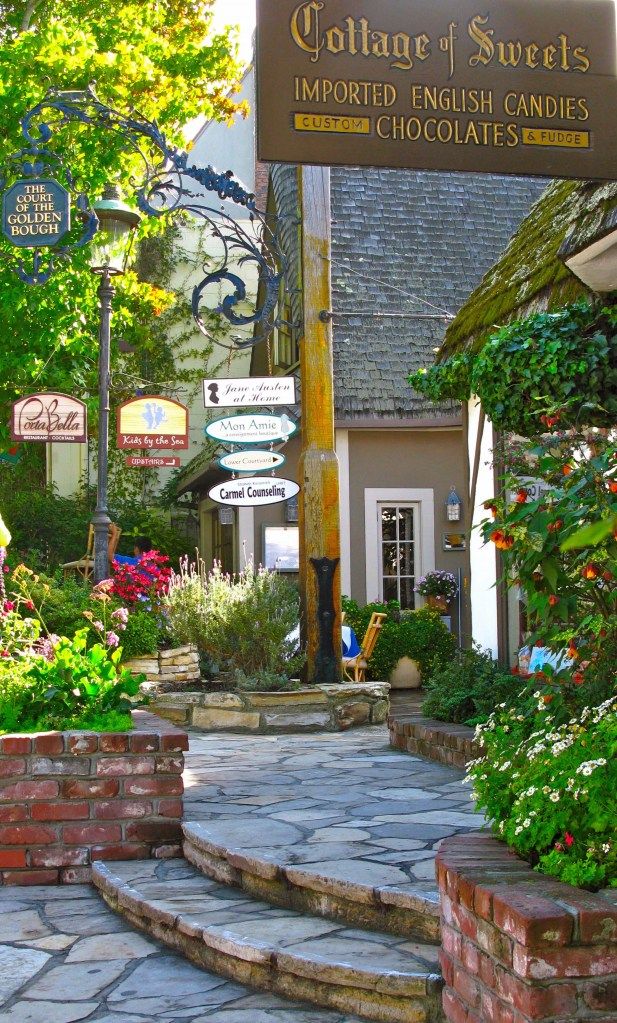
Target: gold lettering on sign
[(552, 56), (354, 93)]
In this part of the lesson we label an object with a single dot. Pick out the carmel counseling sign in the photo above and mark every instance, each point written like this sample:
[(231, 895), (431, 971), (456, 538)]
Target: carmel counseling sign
[(515, 86)]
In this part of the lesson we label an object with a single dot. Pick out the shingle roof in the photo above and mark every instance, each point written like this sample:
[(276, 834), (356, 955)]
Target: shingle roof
[(409, 246)]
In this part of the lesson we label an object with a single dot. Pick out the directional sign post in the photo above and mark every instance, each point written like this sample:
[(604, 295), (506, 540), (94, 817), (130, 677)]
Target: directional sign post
[(251, 461)]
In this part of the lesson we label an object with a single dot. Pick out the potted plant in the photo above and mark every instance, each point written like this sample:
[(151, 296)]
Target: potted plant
[(438, 588)]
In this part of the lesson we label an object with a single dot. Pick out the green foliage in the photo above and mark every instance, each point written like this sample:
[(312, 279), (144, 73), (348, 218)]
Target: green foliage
[(77, 680), (468, 689), (265, 682), (141, 636), (547, 783), (240, 622), (419, 635), (47, 530), (448, 379)]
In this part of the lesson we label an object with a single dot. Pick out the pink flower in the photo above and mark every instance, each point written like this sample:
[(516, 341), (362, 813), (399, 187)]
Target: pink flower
[(112, 639), (6, 569), (5, 653), (8, 606), (98, 625), (29, 605)]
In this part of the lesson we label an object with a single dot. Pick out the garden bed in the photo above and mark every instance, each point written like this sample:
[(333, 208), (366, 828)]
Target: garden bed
[(70, 798), (519, 946), (320, 708)]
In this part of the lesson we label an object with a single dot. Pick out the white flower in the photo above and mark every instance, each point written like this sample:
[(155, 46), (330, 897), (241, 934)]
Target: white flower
[(606, 848), (526, 822), (554, 797)]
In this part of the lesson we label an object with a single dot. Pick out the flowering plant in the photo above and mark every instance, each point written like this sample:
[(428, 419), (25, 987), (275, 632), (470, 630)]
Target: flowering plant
[(438, 584), (548, 788), (147, 581)]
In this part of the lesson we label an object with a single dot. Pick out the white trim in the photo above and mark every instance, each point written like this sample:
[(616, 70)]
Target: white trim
[(246, 536), (342, 451), (482, 557), (425, 499)]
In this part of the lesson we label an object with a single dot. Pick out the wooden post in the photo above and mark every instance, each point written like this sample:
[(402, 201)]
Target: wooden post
[(318, 474)]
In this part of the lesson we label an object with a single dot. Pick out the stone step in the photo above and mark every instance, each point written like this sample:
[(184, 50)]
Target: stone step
[(376, 976), (356, 892)]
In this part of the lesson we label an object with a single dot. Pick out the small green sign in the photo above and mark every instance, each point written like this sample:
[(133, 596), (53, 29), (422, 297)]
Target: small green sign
[(36, 212)]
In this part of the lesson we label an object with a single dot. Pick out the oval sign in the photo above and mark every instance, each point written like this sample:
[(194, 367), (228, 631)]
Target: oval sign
[(251, 429), (251, 461), (252, 491)]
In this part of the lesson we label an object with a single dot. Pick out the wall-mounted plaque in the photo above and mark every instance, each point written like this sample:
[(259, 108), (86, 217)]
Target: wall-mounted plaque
[(49, 418), (153, 422), (36, 212), (248, 391), (454, 542)]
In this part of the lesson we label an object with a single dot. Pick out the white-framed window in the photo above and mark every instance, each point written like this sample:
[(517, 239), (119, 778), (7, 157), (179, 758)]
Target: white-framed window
[(400, 542)]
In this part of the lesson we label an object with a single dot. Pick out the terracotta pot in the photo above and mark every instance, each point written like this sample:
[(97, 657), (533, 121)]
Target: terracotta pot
[(438, 603), (406, 674)]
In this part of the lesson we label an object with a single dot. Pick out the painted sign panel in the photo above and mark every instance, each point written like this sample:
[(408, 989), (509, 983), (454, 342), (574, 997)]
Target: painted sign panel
[(138, 462), (36, 212), (251, 461), (251, 429), (249, 391), (513, 87), (252, 491), (153, 422), (49, 418)]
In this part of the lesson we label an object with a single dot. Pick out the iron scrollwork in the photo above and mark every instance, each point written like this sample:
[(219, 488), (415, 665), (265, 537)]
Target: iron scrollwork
[(169, 185)]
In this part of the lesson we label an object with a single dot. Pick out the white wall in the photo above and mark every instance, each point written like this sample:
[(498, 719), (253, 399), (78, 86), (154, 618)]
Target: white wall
[(482, 557)]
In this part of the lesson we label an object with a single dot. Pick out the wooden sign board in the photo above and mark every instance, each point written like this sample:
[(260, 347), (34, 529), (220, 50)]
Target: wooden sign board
[(251, 429), (253, 491), (248, 391), (36, 212), (153, 422), (50, 418), (146, 462), (512, 87)]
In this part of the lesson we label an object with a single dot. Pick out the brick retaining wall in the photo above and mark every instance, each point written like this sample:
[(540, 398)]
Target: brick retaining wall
[(69, 798), (518, 946), (438, 740)]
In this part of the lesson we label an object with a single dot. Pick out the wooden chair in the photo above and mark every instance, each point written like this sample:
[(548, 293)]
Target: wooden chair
[(354, 668), (84, 566)]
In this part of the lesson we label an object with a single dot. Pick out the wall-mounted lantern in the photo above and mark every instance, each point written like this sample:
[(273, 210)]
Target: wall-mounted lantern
[(453, 506)]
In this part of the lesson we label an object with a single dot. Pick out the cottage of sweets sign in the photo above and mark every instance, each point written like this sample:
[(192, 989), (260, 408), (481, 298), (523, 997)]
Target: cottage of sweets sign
[(512, 86), (153, 422), (49, 418), (36, 212)]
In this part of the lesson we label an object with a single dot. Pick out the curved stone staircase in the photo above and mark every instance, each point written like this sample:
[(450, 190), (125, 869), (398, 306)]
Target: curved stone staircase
[(318, 936)]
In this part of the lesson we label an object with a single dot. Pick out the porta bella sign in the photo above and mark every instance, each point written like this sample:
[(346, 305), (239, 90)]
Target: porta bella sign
[(520, 86), (49, 418)]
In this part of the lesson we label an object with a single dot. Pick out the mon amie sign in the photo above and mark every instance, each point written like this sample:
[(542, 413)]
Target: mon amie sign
[(523, 86)]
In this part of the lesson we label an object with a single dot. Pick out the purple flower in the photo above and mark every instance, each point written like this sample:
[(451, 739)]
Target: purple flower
[(98, 626), (112, 639)]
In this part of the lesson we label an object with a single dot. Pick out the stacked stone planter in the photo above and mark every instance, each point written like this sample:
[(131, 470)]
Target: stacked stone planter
[(168, 669), (322, 708), (519, 947), (68, 799)]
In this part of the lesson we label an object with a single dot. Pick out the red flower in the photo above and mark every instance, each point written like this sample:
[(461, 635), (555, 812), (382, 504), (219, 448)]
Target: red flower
[(613, 486), (5, 653), (553, 600), (521, 497), (29, 605), (578, 678), (547, 699), (590, 571), (568, 839), (573, 652), (502, 540), (8, 606), (567, 469)]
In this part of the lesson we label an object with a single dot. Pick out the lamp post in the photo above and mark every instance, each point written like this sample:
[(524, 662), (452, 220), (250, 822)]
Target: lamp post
[(110, 251)]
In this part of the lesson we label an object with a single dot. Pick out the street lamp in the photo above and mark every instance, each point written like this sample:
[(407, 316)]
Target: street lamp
[(110, 252)]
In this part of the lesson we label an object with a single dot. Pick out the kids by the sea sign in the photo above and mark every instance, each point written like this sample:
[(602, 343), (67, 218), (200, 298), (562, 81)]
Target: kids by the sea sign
[(153, 422)]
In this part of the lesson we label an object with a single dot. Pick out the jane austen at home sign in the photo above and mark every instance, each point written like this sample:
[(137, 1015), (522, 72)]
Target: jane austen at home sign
[(505, 86)]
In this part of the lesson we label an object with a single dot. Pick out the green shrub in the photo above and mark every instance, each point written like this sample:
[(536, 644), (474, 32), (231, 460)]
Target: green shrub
[(548, 787), (47, 530), (469, 688), (419, 635), (141, 635), (240, 622), (265, 682), (59, 603)]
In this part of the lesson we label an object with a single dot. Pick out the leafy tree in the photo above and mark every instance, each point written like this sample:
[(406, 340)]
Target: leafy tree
[(159, 56)]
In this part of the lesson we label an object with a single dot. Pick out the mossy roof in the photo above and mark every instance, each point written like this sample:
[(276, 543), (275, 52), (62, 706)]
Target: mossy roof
[(530, 275)]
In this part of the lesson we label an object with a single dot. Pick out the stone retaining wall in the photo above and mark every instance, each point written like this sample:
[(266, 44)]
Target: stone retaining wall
[(438, 740), (322, 708), (167, 669), (70, 798), (518, 946)]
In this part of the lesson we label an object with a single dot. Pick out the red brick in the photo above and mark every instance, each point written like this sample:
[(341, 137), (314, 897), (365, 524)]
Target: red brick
[(27, 834), (58, 856), (157, 786), (170, 807), (125, 766), (26, 877), (66, 811), (451, 941), (491, 940), (61, 765), (78, 834), (12, 858), (447, 967), (10, 766), (533, 1001), (15, 744), (601, 995), (153, 831), (493, 1010), (170, 765), (30, 790), (470, 957), (78, 745), (530, 918), (49, 742), (466, 922), (118, 743), (551, 963), (118, 809), (144, 742), (175, 742), (90, 788), (466, 987), (11, 812), (453, 1008), (76, 875), (123, 851)]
